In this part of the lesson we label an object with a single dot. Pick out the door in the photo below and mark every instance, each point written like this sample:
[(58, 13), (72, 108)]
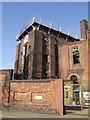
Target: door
[(77, 98)]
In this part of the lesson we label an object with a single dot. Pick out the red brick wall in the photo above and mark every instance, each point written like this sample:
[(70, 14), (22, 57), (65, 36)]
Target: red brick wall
[(49, 94), (67, 67), (5, 76), (37, 57), (51, 70), (83, 28), (30, 54), (88, 44), (19, 63)]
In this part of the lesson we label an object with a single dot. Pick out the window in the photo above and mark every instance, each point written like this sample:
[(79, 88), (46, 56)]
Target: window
[(73, 78), (46, 39), (67, 94), (76, 55), (21, 52), (25, 50), (56, 60), (45, 73), (26, 39), (46, 58), (21, 55), (56, 42)]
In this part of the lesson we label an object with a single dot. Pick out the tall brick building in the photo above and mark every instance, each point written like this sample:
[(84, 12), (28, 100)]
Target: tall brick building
[(46, 53)]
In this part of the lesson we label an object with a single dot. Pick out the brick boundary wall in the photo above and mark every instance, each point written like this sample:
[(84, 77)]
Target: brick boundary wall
[(44, 95)]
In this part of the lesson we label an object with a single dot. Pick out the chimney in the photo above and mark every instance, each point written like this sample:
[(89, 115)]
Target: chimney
[(83, 28)]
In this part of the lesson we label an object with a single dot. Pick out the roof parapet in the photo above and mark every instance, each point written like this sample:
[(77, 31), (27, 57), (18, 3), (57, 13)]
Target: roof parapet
[(34, 23)]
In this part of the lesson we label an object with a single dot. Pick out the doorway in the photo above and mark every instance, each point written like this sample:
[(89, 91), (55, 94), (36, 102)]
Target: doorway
[(72, 97)]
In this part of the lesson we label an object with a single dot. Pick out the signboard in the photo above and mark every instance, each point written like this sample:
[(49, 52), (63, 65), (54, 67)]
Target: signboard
[(38, 97), (86, 97)]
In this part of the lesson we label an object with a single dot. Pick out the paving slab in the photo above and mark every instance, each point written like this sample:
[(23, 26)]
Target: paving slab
[(28, 114)]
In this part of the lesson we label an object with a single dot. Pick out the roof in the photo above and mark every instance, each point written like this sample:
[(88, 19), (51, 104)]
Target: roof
[(45, 28)]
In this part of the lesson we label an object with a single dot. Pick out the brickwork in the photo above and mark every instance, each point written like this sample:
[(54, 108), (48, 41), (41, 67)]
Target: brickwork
[(41, 58), (20, 70), (51, 57), (37, 57), (5, 76), (88, 44), (84, 28), (67, 67), (42, 95)]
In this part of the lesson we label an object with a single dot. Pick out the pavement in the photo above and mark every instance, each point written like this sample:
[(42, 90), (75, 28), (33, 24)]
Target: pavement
[(34, 114)]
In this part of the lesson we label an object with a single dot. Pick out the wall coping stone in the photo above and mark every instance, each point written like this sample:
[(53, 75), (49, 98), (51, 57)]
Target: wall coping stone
[(33, 80)]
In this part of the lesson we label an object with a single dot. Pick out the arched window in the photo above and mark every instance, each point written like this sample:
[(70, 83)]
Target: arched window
[(76, 55), (74, 79)]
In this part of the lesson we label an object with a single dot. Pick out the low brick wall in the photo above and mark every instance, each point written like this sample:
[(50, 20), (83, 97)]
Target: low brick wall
[(44, 95)]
